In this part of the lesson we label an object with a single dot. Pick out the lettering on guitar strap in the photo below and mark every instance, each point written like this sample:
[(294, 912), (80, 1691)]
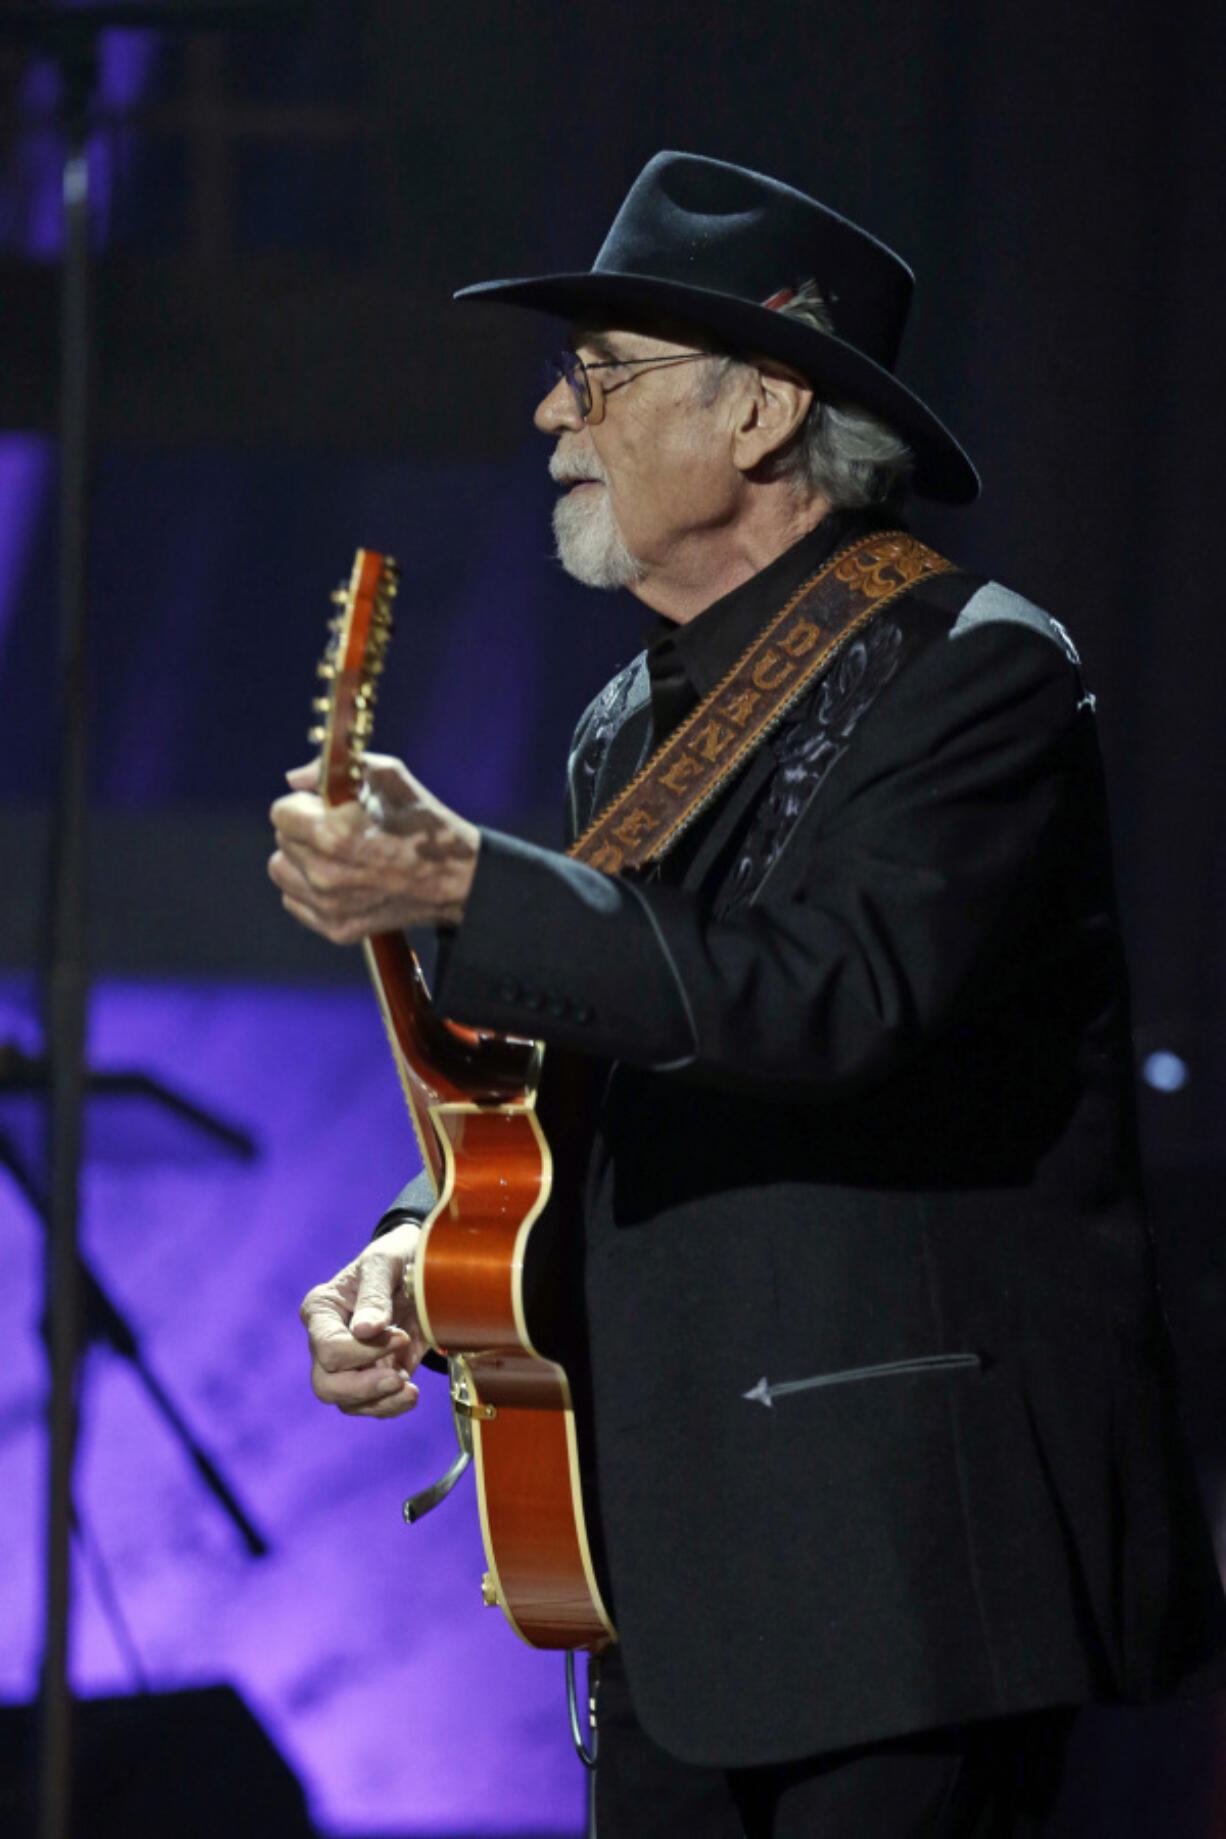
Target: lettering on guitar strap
[(787, 657)]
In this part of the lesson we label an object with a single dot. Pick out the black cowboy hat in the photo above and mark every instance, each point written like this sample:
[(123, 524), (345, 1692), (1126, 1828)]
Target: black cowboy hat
[(721, 248)]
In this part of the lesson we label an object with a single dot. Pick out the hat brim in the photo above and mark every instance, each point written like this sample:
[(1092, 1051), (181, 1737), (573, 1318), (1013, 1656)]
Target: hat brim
[(943, 470)]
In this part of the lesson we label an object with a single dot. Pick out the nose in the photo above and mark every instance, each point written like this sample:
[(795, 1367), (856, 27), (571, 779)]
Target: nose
[(558, 410)]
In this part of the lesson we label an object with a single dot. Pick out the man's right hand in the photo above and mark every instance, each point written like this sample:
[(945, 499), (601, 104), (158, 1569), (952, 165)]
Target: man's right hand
[(364, 1333)]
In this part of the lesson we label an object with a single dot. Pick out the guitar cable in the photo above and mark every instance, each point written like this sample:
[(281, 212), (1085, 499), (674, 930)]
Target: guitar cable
[(585, 1751)]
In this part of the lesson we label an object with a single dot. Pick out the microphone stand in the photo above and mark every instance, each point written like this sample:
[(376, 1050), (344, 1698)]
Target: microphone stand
[(67, 985), (71, 36)]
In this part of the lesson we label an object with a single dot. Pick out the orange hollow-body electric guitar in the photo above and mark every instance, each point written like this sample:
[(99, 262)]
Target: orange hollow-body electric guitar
[(494, 1278)]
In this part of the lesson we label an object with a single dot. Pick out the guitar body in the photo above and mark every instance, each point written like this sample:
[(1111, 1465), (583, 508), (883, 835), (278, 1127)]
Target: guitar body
[(495, 1274), (478, 1302)]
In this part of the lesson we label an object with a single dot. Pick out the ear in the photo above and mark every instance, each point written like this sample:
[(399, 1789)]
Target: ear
[(768, 414)]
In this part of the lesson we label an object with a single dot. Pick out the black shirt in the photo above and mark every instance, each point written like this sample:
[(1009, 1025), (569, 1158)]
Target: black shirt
[(684, 663)]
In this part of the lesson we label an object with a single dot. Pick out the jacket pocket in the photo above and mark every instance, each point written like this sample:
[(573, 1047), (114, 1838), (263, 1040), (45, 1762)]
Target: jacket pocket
[(764, 1393)]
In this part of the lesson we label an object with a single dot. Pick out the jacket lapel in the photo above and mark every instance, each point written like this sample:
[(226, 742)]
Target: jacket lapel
[(721, 822)]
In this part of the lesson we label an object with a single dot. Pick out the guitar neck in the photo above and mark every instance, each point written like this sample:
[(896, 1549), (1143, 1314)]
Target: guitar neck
[(438, 1061)]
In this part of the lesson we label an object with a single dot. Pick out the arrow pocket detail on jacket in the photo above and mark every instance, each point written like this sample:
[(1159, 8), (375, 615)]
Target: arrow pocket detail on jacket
[(764, 1393)]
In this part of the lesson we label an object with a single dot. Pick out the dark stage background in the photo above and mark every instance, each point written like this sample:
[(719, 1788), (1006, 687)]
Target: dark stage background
[(282, 376)]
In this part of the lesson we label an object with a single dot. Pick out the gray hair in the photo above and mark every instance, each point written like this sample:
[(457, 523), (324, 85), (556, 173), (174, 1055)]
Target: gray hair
[(840, 452)]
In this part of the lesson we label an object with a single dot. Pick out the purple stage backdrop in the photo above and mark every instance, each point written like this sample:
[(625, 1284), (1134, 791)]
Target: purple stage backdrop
[(403, 1704), (360, 1644)]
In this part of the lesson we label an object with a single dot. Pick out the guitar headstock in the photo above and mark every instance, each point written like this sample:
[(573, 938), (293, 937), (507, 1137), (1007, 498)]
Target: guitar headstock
[(358, 636)]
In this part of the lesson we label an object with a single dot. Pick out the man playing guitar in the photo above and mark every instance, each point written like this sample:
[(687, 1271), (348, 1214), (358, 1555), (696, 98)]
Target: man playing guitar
[(887, 1470)]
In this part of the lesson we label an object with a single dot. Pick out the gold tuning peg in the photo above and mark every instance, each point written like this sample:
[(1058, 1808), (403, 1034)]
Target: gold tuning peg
[(340, 595), (325, 669), (321, 704), (316, 735)]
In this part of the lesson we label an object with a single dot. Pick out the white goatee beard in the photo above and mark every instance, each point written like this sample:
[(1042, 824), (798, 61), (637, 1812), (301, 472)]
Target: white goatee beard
[(590, 546)]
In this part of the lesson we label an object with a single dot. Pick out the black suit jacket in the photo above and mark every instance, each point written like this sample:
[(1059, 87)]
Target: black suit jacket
[(867, 1125)]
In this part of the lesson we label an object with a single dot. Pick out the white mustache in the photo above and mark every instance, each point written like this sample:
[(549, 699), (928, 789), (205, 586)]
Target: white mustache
[(569, 469)]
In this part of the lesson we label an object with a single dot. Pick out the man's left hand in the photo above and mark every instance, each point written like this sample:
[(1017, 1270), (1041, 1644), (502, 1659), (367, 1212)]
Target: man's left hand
[(393, 857)]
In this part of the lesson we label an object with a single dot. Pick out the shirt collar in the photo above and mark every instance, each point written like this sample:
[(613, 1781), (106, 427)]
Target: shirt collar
[(692, 659)]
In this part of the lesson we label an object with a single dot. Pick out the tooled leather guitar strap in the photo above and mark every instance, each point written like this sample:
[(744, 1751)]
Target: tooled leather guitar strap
[(786, 658)]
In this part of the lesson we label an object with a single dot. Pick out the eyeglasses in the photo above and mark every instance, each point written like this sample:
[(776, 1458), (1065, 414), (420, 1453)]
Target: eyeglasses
[(589, 391)]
